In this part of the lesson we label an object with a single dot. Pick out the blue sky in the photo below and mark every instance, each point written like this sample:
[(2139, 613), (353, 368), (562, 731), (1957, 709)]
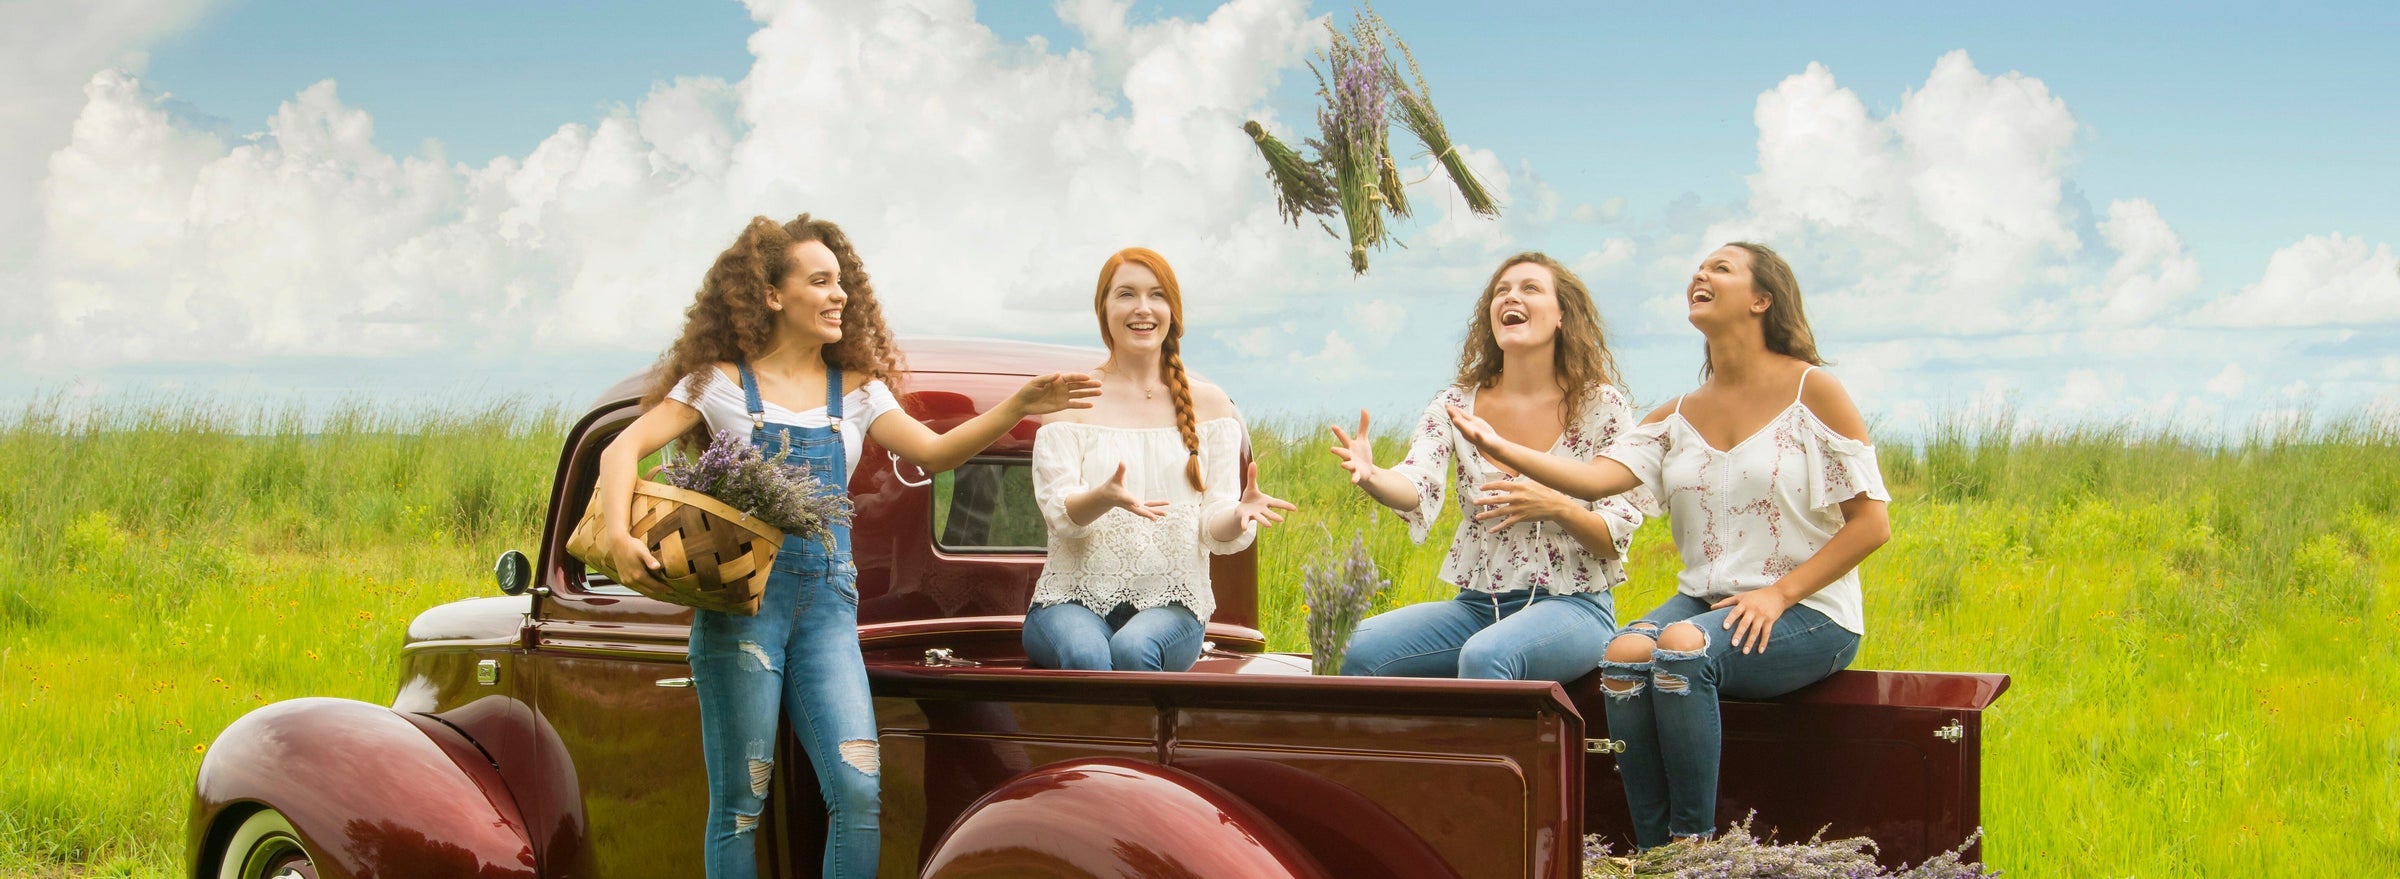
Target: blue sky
[(2246, 135)]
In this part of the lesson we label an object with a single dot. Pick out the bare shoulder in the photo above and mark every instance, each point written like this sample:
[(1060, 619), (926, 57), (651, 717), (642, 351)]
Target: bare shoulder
[(1210, 402), (1829, 400), (1660, 414)]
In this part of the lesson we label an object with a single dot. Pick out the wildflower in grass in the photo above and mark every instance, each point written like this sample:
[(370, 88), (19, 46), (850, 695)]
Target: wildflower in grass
[(1336, 592), (782, 494)]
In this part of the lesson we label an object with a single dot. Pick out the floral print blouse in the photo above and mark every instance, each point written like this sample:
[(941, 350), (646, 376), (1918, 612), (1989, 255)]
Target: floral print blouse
[(1527, 555), (1744, 517)]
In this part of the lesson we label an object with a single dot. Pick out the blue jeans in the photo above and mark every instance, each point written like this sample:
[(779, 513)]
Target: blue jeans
[(1674, 742), (799, 654), (1518, 635), (1069, 635)]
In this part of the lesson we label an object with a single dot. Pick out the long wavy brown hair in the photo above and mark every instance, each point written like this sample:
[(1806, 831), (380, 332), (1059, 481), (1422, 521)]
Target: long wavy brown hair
[(729, 320), (1170, 367), (1580, 353), (1785, 323)]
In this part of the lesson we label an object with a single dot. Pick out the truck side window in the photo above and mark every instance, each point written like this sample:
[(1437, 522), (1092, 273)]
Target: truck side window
[(986, 505)]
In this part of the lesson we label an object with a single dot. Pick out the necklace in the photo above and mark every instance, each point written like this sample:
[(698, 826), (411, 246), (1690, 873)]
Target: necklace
[(1147, 393)]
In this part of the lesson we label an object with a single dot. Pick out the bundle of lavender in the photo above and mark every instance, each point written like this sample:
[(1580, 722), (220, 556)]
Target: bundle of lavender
[(1739, 855), (1353, 171), (784, 495), (1336, 592)]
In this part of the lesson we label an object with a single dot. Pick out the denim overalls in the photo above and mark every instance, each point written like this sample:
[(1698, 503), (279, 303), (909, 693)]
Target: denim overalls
[(799, 654)]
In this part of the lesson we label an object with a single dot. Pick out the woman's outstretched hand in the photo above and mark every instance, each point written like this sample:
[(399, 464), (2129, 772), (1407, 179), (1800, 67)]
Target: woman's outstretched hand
[(1479, 432), (1258, 506), (1356, 452), (1056, 392), (1113, 492)]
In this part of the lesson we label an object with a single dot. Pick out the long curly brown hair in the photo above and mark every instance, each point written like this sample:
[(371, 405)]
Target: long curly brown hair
[(1170, 367), (729, 320), (1580, 352)]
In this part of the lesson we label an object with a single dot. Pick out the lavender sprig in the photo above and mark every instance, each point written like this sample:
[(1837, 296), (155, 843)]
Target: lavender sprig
[(784, 495), (1337, 591)]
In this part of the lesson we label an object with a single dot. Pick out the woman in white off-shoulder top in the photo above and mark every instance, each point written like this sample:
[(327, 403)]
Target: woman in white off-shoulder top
[(1534, 568), (1138, 490), (1774, 499)]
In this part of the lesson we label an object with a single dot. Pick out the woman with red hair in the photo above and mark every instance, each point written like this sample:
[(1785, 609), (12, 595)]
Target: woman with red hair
[(1138, 490)]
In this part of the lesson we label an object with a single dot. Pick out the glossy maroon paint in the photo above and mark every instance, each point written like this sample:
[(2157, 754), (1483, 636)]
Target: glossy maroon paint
[(1861, 753), (575, 757), (1107, 817), (372, 793)]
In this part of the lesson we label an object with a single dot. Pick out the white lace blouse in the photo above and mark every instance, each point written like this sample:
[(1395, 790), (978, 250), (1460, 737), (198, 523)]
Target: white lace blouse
[(1120, 557), (1527, 555), (1744, 517)]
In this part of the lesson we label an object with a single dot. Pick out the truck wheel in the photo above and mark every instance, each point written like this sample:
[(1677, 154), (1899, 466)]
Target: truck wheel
[(266, 847)]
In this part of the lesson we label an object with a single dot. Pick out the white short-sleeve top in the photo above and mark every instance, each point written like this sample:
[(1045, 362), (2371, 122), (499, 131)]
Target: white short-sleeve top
[(1527, 555), (721, 404), (1121, 558), (1743, 517)]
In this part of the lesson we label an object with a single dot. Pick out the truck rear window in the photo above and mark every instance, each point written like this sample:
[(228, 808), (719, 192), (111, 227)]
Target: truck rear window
[(986, 505)]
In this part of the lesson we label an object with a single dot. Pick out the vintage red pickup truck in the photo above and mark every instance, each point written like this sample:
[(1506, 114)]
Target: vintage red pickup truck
[(551, 732)]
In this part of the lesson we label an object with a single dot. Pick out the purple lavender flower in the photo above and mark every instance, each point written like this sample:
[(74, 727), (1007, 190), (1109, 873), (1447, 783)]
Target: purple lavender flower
[(1336, 592), (782, 494)]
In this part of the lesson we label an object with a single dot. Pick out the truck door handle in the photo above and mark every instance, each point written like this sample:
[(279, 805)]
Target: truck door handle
[(674, 682), (903, 477)]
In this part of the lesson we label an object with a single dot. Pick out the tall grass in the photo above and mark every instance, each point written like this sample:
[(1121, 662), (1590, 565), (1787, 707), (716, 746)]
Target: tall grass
[(2202, 635)]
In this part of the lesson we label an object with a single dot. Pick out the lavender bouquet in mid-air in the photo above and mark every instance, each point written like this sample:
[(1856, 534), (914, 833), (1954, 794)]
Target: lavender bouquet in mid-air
[(1337, 590), (783, 495)]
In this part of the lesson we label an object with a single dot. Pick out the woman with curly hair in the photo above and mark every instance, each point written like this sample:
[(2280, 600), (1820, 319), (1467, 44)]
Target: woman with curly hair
[(1774, 497), (1138, 491), (1533, 567), (786, 343)]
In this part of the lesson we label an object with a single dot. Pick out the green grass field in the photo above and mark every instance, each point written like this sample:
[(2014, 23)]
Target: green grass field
[(2204, 648)]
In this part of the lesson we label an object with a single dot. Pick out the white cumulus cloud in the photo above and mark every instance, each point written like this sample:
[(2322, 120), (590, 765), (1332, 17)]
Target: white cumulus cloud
[(2323, 280)]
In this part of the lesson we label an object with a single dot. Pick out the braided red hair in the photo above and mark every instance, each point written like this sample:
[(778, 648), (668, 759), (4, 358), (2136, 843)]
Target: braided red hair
[(1179, 385)]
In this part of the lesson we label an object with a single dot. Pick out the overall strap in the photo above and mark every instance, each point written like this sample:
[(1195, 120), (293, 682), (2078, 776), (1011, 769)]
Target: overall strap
[(1803, 383), (833, 396), (757, 409)]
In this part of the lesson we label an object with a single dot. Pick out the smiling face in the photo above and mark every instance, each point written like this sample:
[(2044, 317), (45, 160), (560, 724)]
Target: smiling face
[(1523, 307), (1722, 289), (809, 301), (1135, 312)]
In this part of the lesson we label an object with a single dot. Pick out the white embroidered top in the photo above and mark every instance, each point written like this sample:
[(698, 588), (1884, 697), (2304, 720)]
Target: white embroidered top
[(1744, 517), (1120, 557), (1527, 555)]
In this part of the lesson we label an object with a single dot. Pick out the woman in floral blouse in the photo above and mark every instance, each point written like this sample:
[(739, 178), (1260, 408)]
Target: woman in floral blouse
[(1533, 567), (1774, 498)]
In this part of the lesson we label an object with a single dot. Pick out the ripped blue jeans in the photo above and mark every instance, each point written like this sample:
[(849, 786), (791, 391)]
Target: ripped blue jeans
[(1665, 710), (799, 654)]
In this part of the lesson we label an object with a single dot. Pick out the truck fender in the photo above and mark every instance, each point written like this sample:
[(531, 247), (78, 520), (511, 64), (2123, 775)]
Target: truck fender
[(369, 791), (1108, 817)]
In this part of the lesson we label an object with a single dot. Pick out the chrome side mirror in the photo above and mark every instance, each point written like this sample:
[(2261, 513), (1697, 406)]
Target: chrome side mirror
[(512, 572)]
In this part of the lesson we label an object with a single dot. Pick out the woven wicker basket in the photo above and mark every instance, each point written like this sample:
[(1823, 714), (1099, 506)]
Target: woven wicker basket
[(713, 557)]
